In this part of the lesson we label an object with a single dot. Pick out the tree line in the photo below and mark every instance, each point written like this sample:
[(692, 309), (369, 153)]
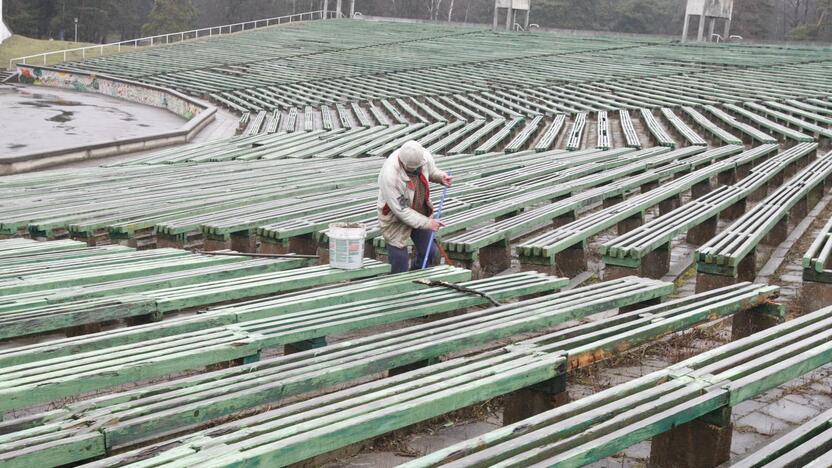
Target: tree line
[(102, 21)]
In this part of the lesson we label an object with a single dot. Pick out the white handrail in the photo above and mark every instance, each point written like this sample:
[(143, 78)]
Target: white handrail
[(181, 35)]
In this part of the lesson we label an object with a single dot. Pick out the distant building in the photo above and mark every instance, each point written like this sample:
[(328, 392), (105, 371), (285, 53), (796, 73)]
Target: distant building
[(709, 11), (512, 8), (5, 32)]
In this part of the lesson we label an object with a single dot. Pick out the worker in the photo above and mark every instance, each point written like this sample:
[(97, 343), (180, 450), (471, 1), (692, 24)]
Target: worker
[(404, 207)]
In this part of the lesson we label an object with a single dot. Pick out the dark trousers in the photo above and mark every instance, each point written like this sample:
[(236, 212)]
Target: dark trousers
[(399, 259)]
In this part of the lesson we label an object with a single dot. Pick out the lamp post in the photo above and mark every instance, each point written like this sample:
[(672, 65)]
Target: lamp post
[(76, 30)]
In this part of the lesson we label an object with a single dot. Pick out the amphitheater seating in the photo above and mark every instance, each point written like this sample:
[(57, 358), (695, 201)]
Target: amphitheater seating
[(731, 254), (59, 307), (646, 249), (750, 132), (321, 104), (141, 359), (495, 237), (420, 394), (544, 248), (768, 124), (702, 388)]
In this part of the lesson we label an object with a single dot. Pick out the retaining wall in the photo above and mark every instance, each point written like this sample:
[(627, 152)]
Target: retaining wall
[(198, 115)]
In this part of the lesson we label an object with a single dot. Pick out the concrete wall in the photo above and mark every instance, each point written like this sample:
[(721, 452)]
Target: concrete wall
[(5, 33), (199, 115), (141, 93)]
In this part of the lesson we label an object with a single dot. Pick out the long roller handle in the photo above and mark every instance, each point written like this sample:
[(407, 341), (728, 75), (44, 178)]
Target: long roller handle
[(433, 233)]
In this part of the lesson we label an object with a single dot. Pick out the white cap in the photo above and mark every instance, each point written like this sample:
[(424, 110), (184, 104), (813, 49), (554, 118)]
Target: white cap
[(412, 155)]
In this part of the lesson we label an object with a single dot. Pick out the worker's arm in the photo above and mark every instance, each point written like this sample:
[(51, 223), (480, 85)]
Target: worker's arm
[(399, 205)]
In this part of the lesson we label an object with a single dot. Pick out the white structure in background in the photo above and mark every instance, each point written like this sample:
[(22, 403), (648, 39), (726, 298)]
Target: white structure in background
[(709, 10), (339, 8), (512, 7), (5, 33)]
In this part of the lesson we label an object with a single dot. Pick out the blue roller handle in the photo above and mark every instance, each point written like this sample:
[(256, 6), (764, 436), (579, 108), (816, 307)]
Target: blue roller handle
[(433, 233)]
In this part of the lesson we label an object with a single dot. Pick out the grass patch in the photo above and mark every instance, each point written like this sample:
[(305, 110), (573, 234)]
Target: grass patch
[(19, 46)]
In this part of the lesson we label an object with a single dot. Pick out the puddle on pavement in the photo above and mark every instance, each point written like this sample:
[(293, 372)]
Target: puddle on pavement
[(64, 116), (36, 120)]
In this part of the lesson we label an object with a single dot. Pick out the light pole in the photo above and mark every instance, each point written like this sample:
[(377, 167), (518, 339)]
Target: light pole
[(76, 30)]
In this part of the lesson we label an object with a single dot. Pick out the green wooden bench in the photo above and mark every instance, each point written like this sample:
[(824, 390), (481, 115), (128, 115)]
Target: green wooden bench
[(274, 122), (814, 114), (574, 139), (687, 133), (325, 423), (107, 366), (294, 373), (770, 125), (484, 132), (122, 264), (491, 143), (524, 136), (493, 240), (254, 127), (815, 130), (218, 315), (809, 107), (564, 245), (731, 255), (551, 133), (409, 112), (68, 308), (630, 135), (685, 408), (455, 136), (718, 132), (603, 139), (817, 269), (816, 260), (243, 122), (646, 249), (656, 130), (749, 132)]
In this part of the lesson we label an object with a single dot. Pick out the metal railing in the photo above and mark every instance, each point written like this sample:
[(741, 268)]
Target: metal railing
[(163, 39)]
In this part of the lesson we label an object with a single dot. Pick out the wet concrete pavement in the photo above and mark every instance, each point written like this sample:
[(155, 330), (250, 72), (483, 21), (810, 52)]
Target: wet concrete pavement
[(38, 119)]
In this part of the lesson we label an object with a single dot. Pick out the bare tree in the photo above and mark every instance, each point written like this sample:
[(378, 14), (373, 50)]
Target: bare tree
[(433, 8)]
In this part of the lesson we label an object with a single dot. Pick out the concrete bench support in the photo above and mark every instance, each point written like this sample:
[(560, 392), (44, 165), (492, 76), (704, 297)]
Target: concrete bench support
[(536, 399), (703, 442)]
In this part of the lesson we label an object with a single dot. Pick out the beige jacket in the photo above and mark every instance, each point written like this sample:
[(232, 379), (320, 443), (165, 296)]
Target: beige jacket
[(396, 215)]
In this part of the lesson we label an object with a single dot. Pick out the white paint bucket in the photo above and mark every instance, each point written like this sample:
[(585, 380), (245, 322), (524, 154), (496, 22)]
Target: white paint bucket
[(346, 245)]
